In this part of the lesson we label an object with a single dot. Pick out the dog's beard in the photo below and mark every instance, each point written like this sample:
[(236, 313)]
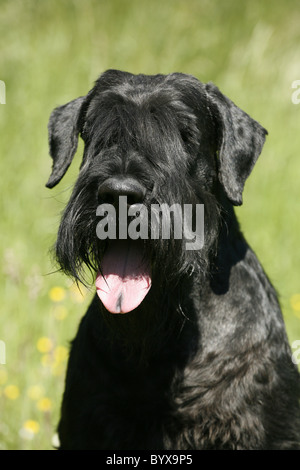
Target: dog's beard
[(151, 279), (124, 270), (155, 325), (125, 275)]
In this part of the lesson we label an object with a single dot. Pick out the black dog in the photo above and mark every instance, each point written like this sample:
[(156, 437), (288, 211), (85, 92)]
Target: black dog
[(199, 357)]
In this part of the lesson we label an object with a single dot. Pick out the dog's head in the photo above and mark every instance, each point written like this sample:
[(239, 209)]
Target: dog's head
[(149, 141)]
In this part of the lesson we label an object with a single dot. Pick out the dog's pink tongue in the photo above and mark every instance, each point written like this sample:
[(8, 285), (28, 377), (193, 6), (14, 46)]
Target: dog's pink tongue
[(126, 277)]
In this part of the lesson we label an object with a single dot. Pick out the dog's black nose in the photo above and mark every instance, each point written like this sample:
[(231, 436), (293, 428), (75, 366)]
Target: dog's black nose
[(112, 188)]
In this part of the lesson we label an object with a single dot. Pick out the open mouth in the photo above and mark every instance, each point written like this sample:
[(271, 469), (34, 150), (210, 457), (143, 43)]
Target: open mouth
[(124, 278)]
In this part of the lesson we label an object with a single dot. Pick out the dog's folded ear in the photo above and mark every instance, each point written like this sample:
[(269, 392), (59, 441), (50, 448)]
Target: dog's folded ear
[(63, 131), (241, 142)]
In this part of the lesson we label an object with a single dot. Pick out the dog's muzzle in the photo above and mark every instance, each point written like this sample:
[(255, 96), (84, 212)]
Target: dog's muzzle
[(124, 277)]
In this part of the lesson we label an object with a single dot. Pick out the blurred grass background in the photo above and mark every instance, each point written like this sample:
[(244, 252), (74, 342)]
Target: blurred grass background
[(52, 52)]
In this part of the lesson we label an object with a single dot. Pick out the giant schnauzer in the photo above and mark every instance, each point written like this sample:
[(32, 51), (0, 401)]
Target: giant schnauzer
[(180, 348)]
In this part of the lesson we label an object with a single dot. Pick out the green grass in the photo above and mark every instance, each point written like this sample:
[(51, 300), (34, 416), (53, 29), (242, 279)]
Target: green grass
[(52, 52)]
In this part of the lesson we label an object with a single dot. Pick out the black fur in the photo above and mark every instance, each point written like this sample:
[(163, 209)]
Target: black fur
[(203, 362)]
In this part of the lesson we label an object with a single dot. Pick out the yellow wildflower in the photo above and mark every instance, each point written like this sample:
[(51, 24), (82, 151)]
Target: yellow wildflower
[(12, 392), (57, 369), (61, 354), (44, 404), (295, 304), (44, 344), (57, 294), (32, 426), (35, 392), (46, 360), (29, 429)]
